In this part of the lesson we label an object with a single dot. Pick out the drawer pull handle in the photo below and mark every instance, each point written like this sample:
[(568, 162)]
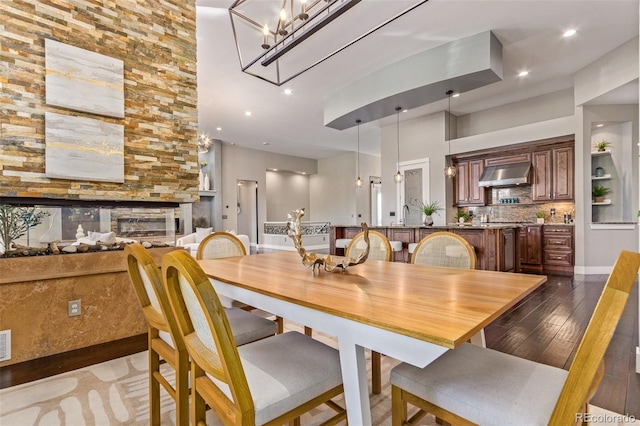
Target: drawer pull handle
[(556, 257)]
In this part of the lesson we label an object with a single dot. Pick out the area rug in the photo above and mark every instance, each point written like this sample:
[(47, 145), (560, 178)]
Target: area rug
[(116, 393)]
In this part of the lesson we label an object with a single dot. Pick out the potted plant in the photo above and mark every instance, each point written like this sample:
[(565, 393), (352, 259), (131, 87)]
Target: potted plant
[(540, 216), (461, 216), (430, 209), (601, 146), (599, 192), (17, 221)]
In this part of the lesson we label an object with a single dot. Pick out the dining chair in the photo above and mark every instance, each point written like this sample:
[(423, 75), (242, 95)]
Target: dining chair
[(444, 249), (272, 381), (224, 244), (165, 342), (379, 249), (474, 385), (379, 246)]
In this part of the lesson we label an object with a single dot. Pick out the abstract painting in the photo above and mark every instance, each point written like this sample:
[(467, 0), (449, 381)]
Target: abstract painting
[(82, 80), (82, 148)]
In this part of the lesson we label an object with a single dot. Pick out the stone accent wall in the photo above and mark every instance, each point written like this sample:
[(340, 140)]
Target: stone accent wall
[(156, 40)]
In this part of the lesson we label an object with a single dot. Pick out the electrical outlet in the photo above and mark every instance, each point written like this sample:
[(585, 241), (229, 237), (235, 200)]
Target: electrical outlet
[(74, 308)]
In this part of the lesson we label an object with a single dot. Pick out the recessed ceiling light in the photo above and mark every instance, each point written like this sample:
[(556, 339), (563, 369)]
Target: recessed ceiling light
[(405, 110), (455, 95), (265, 143), (275, 170), (288, 91), (232, 143), (523, 73), (569, 33), (247, 113), (304, 173), (599, 125), (219, 129)]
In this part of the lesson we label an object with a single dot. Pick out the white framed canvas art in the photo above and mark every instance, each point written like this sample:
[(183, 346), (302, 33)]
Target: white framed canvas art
[(80, 148), (82, 80)]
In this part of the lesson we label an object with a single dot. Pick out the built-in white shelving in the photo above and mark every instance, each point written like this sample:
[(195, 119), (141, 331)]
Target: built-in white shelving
[(210, 193), (603, 177), (597, 153), (606, 202)]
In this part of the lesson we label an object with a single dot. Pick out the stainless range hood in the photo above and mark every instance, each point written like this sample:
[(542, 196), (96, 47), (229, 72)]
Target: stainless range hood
[(506, 175)]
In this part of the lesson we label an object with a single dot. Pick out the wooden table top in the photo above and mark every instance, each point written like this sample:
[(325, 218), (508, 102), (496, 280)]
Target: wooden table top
[(444, 306)]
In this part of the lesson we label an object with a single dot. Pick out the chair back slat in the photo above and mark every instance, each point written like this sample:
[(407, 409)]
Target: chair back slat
[(147, 284), (379, 246), (596, 338), (219, 245), (203, 323), (444, 249)]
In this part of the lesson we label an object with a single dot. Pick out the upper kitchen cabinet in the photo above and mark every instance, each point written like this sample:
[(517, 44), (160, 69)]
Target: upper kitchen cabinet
[(553, 171), (468, 193)]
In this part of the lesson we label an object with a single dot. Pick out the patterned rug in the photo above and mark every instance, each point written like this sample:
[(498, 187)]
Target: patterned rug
[(116, 393)]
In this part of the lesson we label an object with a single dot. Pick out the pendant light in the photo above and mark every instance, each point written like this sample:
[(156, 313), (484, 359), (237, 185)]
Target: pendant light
[(397, 178), (450, 170), (358, 181)]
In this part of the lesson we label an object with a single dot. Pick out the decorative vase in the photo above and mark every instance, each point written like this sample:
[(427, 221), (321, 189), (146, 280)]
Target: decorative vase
[(599, 172), (79, 232), (598, 199), (200, 181), (540, 220), (461, 220), (428, 220), (206, 182)]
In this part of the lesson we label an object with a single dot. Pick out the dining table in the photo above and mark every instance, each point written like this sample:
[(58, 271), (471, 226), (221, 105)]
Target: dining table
[(413, 313)]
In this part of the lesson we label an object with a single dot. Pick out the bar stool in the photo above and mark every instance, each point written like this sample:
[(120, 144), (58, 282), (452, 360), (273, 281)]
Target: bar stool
[(342, 243), (412, 247), (395, 247)]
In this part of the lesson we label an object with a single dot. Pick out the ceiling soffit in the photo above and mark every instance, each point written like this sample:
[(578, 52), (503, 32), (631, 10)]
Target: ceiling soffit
[(461, 65)]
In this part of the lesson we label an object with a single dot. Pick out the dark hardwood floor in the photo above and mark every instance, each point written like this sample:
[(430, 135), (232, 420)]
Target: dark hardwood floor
[(547, 327)]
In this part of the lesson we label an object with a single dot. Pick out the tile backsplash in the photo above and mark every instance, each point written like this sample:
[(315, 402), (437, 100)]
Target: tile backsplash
[(513, 204)]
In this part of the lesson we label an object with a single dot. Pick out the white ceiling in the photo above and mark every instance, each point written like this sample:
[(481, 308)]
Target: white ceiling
[(530, 31)]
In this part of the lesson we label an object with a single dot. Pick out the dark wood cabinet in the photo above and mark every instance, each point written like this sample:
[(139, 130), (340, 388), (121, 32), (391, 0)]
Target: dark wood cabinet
[(508, 254), (530, 248), (553, 171), (468, 193), (558, 249)]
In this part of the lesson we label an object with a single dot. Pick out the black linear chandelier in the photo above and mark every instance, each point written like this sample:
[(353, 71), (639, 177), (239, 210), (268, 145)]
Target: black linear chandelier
[(268, 33)]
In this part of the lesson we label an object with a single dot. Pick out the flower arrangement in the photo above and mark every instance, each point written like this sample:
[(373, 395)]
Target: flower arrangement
[(540, 214), (602, 145)]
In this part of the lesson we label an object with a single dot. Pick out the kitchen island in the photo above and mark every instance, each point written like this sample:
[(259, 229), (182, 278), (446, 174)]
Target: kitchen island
[(495, 244)]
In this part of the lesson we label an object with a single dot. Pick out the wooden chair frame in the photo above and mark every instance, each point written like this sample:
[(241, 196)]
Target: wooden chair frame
[(217, 236), (375, 234), (235, 240), (586, 368), (138, 258), (227, 366), (462, 241)]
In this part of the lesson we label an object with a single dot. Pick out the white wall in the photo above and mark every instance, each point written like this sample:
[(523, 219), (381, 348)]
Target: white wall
[(369, 166), (599, 248), (248, 164), (285, 192), (533, 110), (422, 137), (333, 190)]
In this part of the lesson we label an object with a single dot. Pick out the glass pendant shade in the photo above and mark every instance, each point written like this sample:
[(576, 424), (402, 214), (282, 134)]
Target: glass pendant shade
[(450, 171), (397, 178)]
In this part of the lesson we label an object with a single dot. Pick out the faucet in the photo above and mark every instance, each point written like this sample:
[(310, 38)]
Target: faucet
[(405, 213)]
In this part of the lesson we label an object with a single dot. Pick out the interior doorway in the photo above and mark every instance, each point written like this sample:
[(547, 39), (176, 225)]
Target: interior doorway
[(247, 210), (413, 191)]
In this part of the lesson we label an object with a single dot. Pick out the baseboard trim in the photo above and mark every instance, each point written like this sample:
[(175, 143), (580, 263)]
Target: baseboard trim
[(28, 371), (592, 270)]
